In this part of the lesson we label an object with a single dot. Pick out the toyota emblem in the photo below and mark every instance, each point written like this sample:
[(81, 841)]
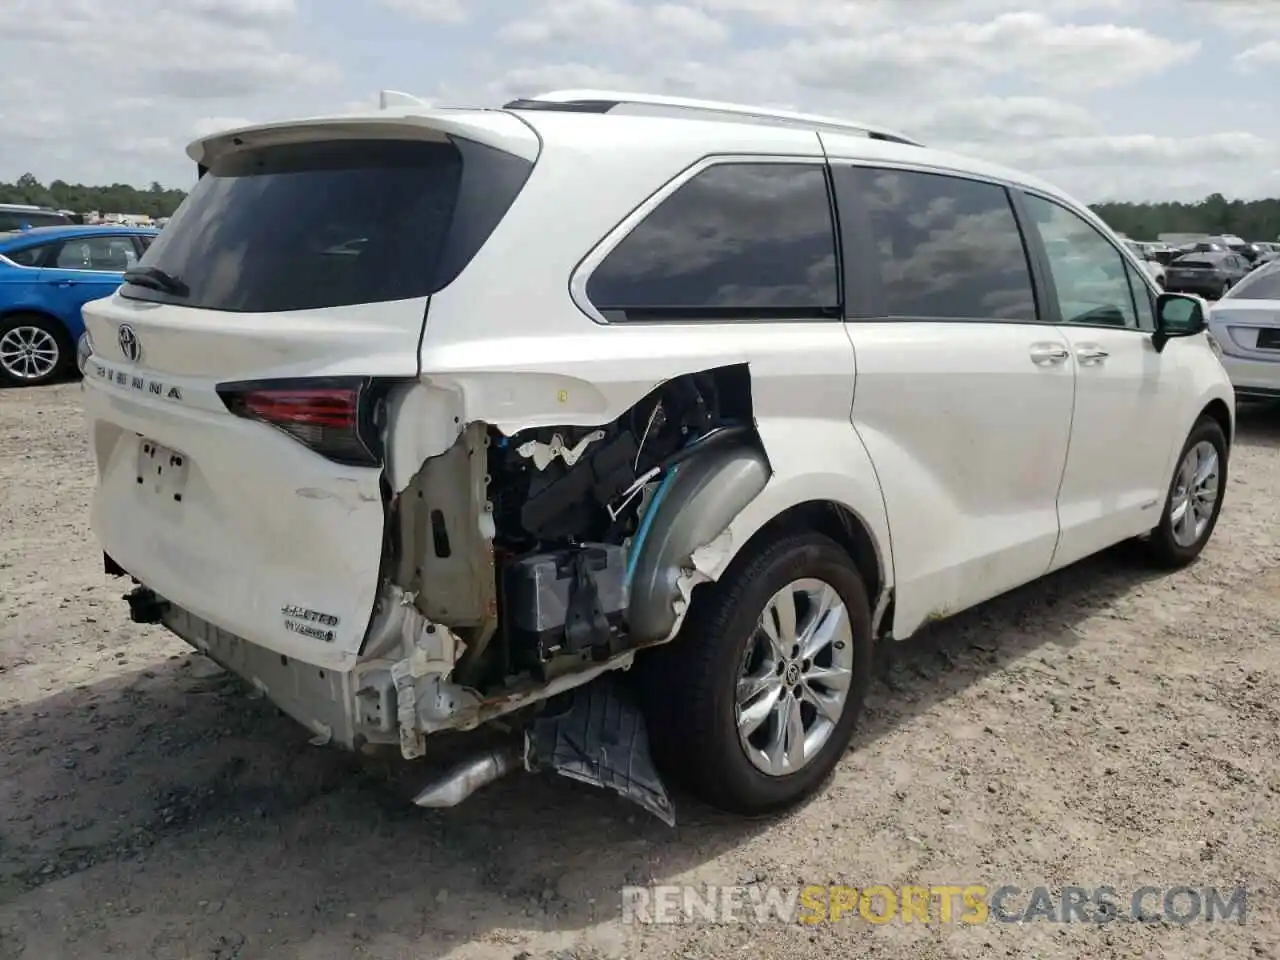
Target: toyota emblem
[(129, 344)]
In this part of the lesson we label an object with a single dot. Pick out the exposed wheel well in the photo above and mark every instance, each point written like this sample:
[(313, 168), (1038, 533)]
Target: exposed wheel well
[(836, 521), (1217, 410)]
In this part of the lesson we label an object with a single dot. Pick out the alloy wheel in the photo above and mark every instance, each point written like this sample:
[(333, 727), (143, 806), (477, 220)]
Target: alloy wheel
[(29, 353), (1195, 491), (795, 678)]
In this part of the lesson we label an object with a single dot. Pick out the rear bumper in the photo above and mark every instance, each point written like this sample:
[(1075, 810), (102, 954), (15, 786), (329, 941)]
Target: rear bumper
[(1253, 377), (322, 700), (1206, 289)]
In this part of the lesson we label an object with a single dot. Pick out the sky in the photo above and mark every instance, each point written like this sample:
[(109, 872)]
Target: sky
[(1110, 99)]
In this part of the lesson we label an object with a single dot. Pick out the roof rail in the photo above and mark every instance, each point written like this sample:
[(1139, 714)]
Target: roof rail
[(604, 101)]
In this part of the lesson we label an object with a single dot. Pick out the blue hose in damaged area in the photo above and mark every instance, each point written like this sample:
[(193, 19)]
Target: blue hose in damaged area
[(646, 523)]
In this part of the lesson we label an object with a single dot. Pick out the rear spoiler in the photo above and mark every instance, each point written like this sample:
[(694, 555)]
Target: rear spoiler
[(498, 129)]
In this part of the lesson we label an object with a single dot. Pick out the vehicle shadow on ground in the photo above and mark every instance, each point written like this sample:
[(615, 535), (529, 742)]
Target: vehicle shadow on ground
[(207, 819), (25, 387), (1258, 424)]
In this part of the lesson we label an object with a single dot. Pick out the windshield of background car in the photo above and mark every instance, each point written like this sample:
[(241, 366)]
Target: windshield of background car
[(332, 223), (1262, 285)]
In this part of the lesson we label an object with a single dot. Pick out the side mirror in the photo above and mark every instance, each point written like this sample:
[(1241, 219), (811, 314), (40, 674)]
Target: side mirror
[(1178, 315)]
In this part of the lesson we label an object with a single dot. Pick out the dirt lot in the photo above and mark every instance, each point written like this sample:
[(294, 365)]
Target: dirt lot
[(1103, 727)]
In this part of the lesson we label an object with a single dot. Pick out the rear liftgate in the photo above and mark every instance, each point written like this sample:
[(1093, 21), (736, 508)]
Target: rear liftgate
[(590, 537)]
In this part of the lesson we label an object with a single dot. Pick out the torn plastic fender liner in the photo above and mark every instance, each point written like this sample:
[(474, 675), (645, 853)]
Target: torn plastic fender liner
[(594, 734), (698, 504)]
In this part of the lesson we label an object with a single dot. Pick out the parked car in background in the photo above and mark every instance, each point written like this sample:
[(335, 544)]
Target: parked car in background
[(1149, 263), (1246, 325), (639, 440), (1269, 253), (1201, 246), (1252, 252), (46, 275), (1209, 273), (22, 216)]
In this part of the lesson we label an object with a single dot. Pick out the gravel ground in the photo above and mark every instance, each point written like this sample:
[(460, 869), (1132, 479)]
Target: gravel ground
[(1102, 727)]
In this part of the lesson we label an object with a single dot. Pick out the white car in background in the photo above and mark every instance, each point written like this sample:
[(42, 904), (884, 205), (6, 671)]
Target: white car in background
[(1245, 323), (1154, 268), (423, 417)]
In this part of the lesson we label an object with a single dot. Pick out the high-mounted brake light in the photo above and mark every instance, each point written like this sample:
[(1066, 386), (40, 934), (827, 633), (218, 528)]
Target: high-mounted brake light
[(333, 417)]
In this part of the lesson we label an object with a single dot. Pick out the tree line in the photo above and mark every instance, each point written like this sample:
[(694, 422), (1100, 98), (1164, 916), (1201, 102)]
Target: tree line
[(154, 201), (1250, 219)]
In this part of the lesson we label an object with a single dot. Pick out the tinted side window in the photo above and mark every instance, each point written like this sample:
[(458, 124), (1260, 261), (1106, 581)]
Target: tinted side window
[(1088, 272), (21, 219), (945, 247), (1142, 299), (737, 240), (30, 257), (97, 253)]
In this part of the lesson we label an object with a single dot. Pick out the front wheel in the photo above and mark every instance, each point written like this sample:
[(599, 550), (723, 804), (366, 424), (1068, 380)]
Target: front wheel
[(755, 702), (1195, 497), (34, 350)]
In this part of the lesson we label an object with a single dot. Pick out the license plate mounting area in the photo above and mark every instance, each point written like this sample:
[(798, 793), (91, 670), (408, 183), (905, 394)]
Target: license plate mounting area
[(161, 472)]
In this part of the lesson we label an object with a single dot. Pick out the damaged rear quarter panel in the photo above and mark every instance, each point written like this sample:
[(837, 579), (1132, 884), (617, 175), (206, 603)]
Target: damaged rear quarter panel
[(802, 383)]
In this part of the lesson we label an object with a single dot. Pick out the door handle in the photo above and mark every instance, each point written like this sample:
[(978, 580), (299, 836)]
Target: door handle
[(1046, 354), (64, 283), (1091, 354)]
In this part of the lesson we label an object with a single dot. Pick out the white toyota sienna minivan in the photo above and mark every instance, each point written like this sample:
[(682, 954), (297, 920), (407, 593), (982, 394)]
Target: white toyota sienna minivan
[(423, 417)]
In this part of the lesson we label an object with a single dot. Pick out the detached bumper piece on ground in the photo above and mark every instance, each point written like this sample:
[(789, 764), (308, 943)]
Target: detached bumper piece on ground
[(594, 734)]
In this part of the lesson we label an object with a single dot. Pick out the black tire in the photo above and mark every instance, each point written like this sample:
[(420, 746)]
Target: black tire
[(66, 355), (689, 685), (1162, 546)]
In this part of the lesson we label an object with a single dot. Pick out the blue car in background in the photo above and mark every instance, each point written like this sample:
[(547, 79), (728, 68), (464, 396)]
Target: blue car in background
[(46, 275)]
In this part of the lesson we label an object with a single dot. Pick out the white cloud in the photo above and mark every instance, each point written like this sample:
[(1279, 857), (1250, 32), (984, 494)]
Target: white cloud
[(436, 11), (999, 120), (246, 11), (689, 23), (612, 23), (1241, 17), (1107, 97), (196, 49), (1262, 56), (1025, 46), (1142, 150), (207, 126), (873, 15)]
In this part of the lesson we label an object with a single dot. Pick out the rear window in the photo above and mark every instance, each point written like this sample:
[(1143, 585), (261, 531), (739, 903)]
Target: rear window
[(21, 219), (1194, 263), (1264, 285), (329, 224)]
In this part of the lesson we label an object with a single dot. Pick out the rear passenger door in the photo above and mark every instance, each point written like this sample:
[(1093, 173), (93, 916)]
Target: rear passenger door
[(964, 392)]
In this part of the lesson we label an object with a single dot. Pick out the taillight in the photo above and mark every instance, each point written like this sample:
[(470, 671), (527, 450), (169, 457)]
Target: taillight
[(335, 417)]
